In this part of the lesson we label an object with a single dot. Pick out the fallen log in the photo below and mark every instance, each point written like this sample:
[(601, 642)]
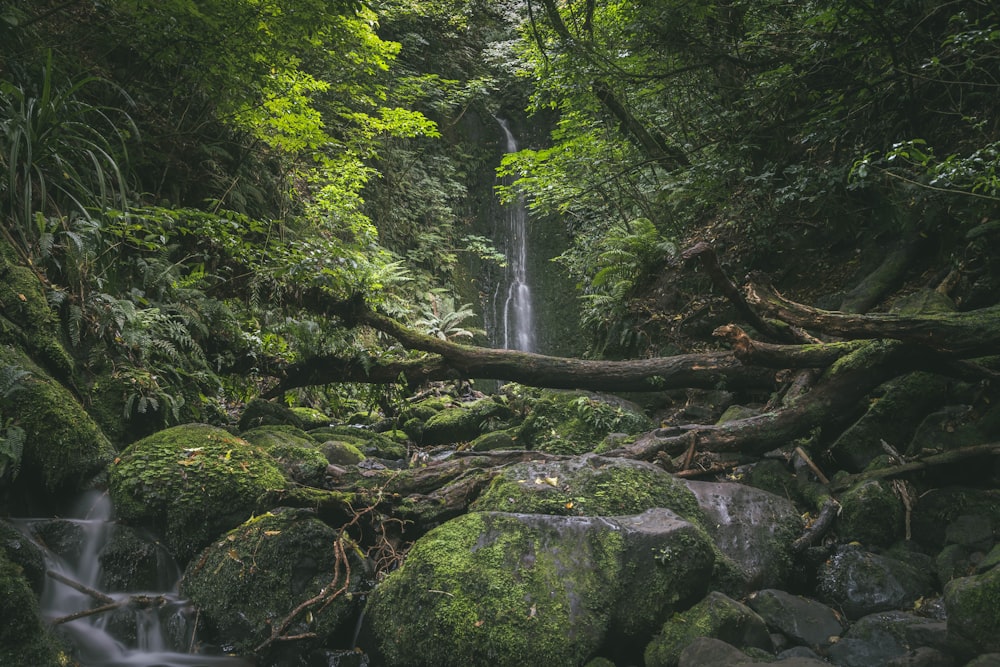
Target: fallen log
[(963, 334)]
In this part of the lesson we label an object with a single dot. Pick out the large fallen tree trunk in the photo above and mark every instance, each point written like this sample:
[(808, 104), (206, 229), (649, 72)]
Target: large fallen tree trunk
[(963, 334), (454, 361)]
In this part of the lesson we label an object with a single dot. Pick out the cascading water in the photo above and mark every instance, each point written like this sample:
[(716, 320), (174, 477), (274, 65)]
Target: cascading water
[(516, 315), (134, 629)]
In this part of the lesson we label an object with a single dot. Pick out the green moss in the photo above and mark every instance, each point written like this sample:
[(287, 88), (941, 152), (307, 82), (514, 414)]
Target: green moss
[(486, 583), (24, 639), (252, 579), (576, 422), (27, 321), (64, 448), (716, 616), (342, 453), (871, 514), (259, 412), (973, 605), (190, 483), (311, 417)]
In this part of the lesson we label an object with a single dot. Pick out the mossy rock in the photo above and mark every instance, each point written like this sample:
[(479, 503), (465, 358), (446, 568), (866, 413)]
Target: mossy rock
[(938, 508), (191, 483), (514, 589), (341, 453), (872, 514), (589, 485), (311, 417), (251, 580), (576, 422), (718, 617), (973, 605), (462, 423), (259, 412), (774, 477), (27, 321), (25, 554), (488, 442), (369, 442), (24, 638), (893, 417), (293, 450), (64, 449)]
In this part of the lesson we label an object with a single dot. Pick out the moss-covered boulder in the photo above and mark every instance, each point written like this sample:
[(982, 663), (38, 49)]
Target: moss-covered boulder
[(63, 448), (575, 422), (253, 578), (190, 484), (588, 485), (717, 616), (311, 417), (859, 582), (463, 422), (871, 514), (341, 453), (893, 417), (973, 605), (26, 320), (513, 589), (370, 443), (293, 450), (24, 639)]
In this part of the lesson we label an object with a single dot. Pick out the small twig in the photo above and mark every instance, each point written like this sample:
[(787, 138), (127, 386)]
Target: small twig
[(831, 508), (89, 612), (689, 454), (812, 466)]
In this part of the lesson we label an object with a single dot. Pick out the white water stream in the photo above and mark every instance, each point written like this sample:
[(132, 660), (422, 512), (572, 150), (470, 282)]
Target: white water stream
[(155, 621), (517, 316)]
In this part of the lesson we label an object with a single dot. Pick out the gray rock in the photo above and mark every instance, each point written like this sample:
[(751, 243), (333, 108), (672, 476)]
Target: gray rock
[(860, 583), (973, 531), (801, 620), (986, 660), (923, 657), (877, 639), (711, 652), (752, 527)]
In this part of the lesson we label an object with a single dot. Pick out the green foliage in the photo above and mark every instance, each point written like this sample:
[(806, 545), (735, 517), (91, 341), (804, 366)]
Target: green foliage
[(11, 436), (442, 320)]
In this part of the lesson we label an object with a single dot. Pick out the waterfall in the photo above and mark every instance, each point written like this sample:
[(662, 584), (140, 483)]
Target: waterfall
[(138, 629), (516, 316)]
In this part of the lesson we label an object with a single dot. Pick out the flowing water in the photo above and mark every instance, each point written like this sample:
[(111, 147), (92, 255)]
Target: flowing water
[(517, 319), (135, 629)]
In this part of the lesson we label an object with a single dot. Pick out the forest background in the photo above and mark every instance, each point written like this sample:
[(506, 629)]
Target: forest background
[(193, 184)]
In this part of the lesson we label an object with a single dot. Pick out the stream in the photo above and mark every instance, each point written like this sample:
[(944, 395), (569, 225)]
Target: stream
[(123, 628)]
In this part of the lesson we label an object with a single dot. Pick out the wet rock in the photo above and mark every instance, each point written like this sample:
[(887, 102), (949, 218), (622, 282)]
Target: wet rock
[(753, 528), (717, 616), (191, 483), (938, 508), (872, 514), (132, 562), (708, 651), (877, 639), (251, 580), (923, 657), (511, 589), (860, 582), (986, 660), (973, 605), (24, 638), (802, 621)]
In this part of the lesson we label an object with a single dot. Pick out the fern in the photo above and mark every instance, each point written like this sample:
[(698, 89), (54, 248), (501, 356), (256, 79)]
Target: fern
[(12, 438)]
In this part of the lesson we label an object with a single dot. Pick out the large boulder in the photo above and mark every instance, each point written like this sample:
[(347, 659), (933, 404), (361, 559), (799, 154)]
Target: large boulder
[(515, 589), (753, 528), (250, 582), (190, 484), (297, 453), (973, 605), (588, 485), (63, 449), (575, 422)]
